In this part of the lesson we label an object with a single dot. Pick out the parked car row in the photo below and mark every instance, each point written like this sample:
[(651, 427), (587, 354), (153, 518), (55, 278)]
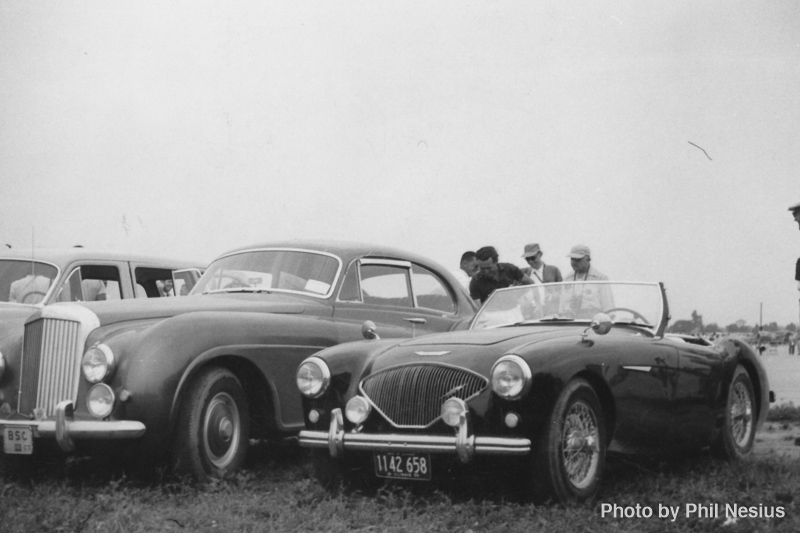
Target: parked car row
[(375, 357), (193, 379)]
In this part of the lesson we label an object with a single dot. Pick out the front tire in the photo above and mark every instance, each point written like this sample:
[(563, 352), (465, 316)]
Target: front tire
[(213, 429), (739, 427), (571, 455)]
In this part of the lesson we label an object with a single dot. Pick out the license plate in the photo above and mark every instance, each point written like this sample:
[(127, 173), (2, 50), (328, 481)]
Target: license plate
[(403, 465), (18, 440)]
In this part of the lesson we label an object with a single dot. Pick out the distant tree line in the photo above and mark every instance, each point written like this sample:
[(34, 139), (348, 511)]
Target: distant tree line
[(695, 326)]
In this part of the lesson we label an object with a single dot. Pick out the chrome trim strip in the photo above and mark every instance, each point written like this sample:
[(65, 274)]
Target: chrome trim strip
[(638, 368)]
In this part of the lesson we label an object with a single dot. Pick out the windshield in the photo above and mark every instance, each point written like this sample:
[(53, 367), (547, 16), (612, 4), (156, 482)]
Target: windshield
[(630, 303), (296, 271), (25, 282)]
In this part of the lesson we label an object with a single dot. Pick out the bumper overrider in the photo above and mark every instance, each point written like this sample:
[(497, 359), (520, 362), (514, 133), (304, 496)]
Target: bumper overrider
[(463, 444), (65, 429)]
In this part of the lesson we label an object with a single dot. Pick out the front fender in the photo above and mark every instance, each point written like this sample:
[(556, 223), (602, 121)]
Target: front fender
[(156, 364)]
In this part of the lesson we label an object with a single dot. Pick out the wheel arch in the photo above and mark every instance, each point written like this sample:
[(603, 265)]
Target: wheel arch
[(257, 388), (606, 398)]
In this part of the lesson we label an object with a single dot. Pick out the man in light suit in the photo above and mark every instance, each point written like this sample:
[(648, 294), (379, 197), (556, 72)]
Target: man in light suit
[(538, 271)]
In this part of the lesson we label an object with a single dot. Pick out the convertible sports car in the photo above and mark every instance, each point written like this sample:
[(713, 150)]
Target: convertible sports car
[(192, 379), (548, 378)]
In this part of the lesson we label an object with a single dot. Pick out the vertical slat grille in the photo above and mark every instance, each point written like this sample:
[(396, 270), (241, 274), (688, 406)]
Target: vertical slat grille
[(50, 365), (411, 396)]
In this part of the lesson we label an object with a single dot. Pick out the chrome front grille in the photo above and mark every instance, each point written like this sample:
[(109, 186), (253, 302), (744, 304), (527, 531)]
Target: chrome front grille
[(51, 358), (411, 396)]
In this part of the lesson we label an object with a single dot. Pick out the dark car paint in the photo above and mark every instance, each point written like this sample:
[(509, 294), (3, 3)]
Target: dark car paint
[(686, 387), (261, 337)]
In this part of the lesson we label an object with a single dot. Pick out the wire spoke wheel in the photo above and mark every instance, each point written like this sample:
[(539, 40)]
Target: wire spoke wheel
[(570, 456), (740, 418), (741, 414), (580, 450)]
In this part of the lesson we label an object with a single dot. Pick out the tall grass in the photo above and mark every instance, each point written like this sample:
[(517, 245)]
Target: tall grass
[(276, 493)]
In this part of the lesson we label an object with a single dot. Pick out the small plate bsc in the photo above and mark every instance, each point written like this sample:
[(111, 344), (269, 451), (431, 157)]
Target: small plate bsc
[(414, 466), (18, 440)]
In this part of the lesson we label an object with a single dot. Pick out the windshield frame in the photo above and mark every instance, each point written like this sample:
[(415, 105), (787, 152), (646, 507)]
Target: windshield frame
[(658, 328), (50, 290), (325, 296)]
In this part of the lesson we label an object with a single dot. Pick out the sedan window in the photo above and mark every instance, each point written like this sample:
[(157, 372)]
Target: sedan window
[(385, 285), (430, 291)]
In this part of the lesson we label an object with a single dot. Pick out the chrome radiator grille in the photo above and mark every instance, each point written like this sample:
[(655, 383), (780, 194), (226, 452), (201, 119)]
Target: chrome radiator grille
[(51, 358), (411, 396)]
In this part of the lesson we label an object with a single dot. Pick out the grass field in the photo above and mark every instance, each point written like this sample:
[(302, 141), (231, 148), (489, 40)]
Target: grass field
[(276, 493)]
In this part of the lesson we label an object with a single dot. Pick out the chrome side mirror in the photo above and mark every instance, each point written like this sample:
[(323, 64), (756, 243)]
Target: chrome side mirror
[(601, 323), (369, 330)]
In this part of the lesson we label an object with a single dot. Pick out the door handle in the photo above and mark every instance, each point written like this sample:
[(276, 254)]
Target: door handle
[(416, 320)]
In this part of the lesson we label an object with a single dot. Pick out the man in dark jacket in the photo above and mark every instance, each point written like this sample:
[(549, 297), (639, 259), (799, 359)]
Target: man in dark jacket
[(795, 209), (494, 275)]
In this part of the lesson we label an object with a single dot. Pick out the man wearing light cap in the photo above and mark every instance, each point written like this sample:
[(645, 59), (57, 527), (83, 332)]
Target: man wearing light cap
[(538, 271), (589, 299), (795, 210)]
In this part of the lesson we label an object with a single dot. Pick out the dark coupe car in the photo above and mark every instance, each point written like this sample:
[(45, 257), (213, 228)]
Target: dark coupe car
[(193, 379), (547, 379)]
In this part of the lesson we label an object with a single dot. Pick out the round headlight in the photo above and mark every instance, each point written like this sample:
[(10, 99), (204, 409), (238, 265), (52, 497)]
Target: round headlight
[(100, 400), (454, 410), (511, 377), (98, 363), (313, 377), (357, 410)]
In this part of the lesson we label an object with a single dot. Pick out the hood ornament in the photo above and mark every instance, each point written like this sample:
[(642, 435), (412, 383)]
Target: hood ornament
[(432, 354)]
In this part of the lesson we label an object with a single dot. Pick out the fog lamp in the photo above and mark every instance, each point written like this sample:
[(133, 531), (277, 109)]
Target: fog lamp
[(454, 411), (313, 416), (512, 420), (357, 410), (100, 400), (98, 363)]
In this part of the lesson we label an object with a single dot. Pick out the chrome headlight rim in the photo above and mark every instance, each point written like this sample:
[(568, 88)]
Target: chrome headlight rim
[(324, 378), (100, 391), (108, 363), (525, 371)]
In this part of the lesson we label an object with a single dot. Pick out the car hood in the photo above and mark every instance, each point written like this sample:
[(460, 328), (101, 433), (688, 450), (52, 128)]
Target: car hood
[(111, 312), (12, 319), (476, 350)]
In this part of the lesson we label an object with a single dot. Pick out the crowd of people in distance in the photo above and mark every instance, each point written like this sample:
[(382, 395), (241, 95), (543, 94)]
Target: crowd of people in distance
[(481, 272)]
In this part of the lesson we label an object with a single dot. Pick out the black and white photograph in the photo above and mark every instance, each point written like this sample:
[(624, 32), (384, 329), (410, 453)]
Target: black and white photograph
[(399, 266)]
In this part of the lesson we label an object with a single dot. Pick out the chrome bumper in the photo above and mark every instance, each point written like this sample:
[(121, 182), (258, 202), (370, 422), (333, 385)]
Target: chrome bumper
[(463, 444), (64, 428)]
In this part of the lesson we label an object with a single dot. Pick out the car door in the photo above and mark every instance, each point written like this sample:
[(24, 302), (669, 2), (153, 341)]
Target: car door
[(382, 290), (643, 381), (698, 391)]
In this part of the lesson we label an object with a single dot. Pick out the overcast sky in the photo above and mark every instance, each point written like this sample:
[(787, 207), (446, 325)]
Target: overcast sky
[(663, 135)]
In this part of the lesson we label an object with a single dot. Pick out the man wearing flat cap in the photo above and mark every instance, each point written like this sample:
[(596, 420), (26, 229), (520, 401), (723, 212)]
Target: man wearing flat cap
[(538, 271), (795, 210), (590, 299)]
